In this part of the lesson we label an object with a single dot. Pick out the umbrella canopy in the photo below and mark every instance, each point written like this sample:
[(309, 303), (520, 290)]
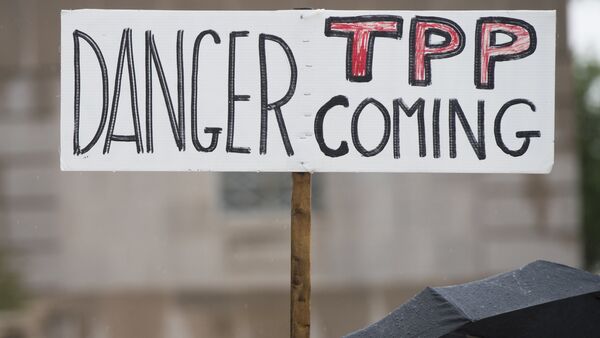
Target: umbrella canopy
[(542, 299)]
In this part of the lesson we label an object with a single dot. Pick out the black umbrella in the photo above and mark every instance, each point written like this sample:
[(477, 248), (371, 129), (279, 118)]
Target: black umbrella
[(542, 299)]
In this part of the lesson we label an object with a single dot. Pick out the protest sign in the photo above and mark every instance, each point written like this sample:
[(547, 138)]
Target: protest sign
[(308, 90)]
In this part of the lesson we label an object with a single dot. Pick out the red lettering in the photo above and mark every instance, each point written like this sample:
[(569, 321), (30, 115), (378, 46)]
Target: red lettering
[(361, 32), (488, 51), (422, 50)]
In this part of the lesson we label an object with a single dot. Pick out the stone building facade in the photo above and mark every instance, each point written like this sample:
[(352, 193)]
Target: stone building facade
[(122, 255)]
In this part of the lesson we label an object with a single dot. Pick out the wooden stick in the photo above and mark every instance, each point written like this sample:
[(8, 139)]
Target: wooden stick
[(300, 273)]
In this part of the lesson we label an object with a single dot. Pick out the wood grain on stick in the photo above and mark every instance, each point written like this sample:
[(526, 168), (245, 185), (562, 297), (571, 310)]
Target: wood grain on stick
[(300, 264)]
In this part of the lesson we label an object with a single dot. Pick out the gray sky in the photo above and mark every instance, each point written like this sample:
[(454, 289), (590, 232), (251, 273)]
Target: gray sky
[(584, 28)]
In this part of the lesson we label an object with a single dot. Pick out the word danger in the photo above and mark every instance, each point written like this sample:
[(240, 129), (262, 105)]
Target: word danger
[(432, 40)]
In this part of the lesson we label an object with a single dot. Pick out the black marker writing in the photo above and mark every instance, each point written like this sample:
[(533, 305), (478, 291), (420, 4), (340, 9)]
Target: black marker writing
[(77, 99), (276, 106), (177, 125), (477, 144), (339, 100), (232, 97), (419, 107), (527, 135), (214, 131), (386, 127), (126, 48)]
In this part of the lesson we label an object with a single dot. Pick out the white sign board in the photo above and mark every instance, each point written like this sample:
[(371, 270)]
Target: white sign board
[(308, 90)]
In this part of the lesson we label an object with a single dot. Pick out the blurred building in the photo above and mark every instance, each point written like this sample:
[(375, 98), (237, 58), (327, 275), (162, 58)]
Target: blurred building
[(181, 255)]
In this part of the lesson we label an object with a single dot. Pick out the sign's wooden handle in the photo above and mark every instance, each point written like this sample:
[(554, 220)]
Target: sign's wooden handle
[(300, 256)]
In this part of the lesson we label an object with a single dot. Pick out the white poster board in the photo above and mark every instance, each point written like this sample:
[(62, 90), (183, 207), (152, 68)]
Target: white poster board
[(308, 90)]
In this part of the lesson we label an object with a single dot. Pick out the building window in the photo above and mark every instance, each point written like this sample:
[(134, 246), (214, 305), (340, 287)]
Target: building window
[(262, 191), (251, 191)]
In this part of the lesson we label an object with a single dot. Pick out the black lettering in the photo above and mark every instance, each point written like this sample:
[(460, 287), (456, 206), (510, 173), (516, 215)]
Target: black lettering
[(102, 63), (386, 131), (339, 100), (436, 128), (232, 97), (276, 106), (479, 144), (177, 125), (214, 131), (126, 48), (527, 135), (419, 107)]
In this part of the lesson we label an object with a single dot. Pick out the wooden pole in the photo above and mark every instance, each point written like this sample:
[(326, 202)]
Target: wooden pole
[(300, 271)]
